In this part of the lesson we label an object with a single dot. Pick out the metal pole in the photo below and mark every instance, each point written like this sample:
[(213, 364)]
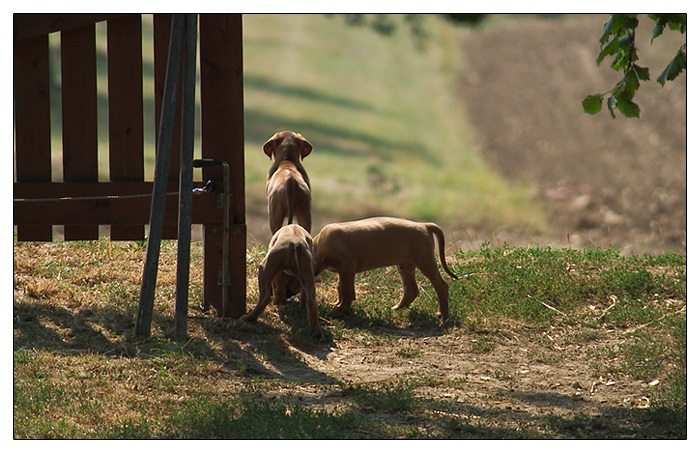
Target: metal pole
[(144, 315), (184, 233)]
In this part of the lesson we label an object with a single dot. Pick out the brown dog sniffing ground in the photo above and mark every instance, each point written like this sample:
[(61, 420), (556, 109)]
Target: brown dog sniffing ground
[(288, 186), (351, 247), (290, 254)]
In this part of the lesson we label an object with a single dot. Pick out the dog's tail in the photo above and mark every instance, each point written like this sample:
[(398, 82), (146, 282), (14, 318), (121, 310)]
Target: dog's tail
[(289, 186), (299, 257), (434, 229)]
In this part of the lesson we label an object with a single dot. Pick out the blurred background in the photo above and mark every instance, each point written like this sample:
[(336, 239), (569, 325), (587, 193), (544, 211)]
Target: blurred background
[(477, 127)]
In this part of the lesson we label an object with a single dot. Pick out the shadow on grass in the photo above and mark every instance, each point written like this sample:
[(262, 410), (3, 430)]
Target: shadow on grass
[(395, 412), (110, 331), (338, 141), (258, 82)]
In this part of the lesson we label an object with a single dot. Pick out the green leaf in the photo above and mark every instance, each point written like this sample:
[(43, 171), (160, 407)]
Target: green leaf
[(677, 22), (609, 49), (673, 68), (631, 84), (642, 73), (628, 108), (658, 28), (593, 104), (611, 27)]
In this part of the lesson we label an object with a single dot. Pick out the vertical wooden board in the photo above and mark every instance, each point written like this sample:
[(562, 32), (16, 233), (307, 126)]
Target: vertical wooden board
[(32, 122), (125, 90), (161, 41), (79, 88), (221, 56)]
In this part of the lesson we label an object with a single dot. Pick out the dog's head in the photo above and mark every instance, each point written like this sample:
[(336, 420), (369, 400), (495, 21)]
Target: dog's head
[(287, 145)]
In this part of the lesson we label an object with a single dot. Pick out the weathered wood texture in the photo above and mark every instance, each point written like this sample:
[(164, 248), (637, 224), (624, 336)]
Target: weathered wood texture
[(221, 61), (41, 203)]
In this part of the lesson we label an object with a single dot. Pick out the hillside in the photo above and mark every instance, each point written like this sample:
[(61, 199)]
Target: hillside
[(606, 182)]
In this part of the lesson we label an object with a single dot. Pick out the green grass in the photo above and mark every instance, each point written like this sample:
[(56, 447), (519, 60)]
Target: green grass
[(79, 372), (386, 119)]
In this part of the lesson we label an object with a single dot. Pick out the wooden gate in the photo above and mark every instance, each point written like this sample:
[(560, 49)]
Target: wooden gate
[(81, 202)]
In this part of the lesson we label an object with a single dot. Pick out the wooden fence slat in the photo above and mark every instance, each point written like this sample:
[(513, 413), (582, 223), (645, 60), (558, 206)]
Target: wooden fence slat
[(35, 207), (32, 121), (79, 89), (31, 25), (222, 138), (125, 87)]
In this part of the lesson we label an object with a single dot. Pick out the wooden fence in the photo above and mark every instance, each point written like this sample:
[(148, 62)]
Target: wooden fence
[(81, 202)]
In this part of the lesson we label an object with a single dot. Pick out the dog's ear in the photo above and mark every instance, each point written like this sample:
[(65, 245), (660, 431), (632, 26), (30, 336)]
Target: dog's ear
[(270, 145), (304, 147)]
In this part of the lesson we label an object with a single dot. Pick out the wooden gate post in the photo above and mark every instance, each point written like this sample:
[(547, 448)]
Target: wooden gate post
[(221, 57)]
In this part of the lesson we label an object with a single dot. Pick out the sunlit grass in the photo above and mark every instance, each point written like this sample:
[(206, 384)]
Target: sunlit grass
[(79, 371), (386, 120)]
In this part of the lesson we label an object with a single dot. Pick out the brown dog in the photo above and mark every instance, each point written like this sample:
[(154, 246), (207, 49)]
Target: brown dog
[(288, 187), (352, 247), (290, 254)]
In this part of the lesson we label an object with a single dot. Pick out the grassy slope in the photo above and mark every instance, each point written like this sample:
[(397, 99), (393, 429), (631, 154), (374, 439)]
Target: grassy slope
[(386, 121)]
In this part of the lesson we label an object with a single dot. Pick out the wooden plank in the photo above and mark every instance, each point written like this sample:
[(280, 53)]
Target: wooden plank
[(125, 88), (105, 211), (221, 56), (79, 88), (161, 41), (30, 25), (32, 124)]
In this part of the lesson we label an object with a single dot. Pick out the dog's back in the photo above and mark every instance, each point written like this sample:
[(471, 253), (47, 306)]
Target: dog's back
[(288, 195), (376, 242), (288, 186)]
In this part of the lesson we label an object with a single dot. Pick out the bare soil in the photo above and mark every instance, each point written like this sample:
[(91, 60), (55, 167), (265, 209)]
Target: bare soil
[(605, 182)]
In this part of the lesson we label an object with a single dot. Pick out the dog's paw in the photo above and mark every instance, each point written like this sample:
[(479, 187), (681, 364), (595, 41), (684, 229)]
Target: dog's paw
[(318, 333), (244, 319)]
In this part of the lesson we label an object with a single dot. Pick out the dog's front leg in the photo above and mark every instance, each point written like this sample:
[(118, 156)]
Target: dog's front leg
[(346, 291), (279, 288)]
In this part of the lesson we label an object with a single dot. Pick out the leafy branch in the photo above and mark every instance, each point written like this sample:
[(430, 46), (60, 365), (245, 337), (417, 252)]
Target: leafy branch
[(618, 41)]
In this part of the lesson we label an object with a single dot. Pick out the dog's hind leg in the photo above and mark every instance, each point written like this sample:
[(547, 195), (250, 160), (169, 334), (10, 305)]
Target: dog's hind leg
[(429, 269), (303, 213), (265, 288), (410, 287)]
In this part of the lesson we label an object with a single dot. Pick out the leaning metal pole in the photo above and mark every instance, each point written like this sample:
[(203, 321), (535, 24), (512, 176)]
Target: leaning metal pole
[(144, 315), (184, 232)]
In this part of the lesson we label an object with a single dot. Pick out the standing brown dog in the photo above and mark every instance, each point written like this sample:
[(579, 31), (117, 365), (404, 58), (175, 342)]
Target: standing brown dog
[(290, 254), (288, 187), (352, 247)]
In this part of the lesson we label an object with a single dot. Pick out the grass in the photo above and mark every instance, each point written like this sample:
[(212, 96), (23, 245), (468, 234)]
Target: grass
[(386, 119), (389, 136), (389, 131), (79, 372)]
